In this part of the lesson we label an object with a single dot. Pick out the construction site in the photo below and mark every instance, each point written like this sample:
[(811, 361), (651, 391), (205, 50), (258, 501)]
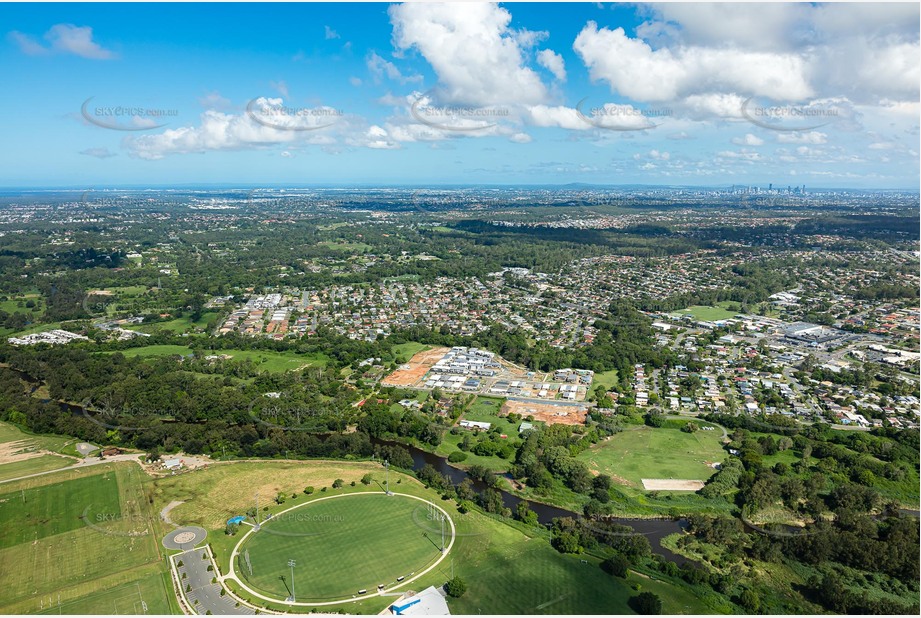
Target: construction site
[(479, 371)]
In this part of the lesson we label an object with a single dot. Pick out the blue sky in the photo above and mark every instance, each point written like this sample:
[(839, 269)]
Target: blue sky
[(674, 94)]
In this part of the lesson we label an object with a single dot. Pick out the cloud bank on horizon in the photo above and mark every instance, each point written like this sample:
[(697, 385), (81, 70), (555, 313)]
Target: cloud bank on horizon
[(684, 93)]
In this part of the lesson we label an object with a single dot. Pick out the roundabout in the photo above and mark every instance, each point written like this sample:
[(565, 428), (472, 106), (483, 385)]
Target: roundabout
[(337, 549), (184, 538)]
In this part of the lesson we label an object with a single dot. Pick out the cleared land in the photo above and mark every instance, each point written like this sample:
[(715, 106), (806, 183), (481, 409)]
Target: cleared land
[(551, 414), (56, 444), (672, 485), (418, 366), (656, 453), (374, 538), (18, 450)]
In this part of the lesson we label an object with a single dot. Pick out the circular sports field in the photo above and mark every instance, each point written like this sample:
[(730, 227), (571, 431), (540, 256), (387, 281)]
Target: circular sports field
[(341, 545)]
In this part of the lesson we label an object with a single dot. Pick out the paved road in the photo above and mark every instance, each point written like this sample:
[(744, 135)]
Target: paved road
[(169, 541), (95, 461), (198, 587)]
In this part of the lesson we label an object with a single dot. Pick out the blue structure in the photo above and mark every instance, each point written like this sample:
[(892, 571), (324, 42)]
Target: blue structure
[(236, 520), (399, 609)]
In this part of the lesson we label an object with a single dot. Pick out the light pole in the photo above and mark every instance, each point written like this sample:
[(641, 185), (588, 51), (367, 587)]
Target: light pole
[(387, 477), (291, 564)]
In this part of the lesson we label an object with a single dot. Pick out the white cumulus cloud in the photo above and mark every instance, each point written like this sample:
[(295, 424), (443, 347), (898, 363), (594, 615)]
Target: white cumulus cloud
[(478, 58), (632, 68), (553, 62)]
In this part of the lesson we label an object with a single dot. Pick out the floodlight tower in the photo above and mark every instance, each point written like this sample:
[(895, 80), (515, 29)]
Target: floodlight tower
[(292, 564), (387, 477), (441, 518)]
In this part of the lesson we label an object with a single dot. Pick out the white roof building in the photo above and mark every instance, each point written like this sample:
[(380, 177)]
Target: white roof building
[(429, 602)]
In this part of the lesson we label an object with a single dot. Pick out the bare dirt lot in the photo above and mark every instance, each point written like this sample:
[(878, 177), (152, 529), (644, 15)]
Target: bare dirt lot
[(548, 413), (672, 485), (413, 371), (17, 451)]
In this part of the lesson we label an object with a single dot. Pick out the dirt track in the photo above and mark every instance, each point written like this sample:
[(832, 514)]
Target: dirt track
[(17, 451), (672, 485)]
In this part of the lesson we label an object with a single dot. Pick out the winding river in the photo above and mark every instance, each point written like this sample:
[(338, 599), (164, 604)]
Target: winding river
[(653, 529)]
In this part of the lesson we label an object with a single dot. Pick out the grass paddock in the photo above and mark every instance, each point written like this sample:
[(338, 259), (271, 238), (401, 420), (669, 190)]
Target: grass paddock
[(656, 453)]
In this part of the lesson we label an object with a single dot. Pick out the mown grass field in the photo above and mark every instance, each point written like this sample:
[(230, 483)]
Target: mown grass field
[(41, 512), (122, 300), (707, 313), (375, 539), (83, 538), (150, 593), (273, 362), (656, 453)]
